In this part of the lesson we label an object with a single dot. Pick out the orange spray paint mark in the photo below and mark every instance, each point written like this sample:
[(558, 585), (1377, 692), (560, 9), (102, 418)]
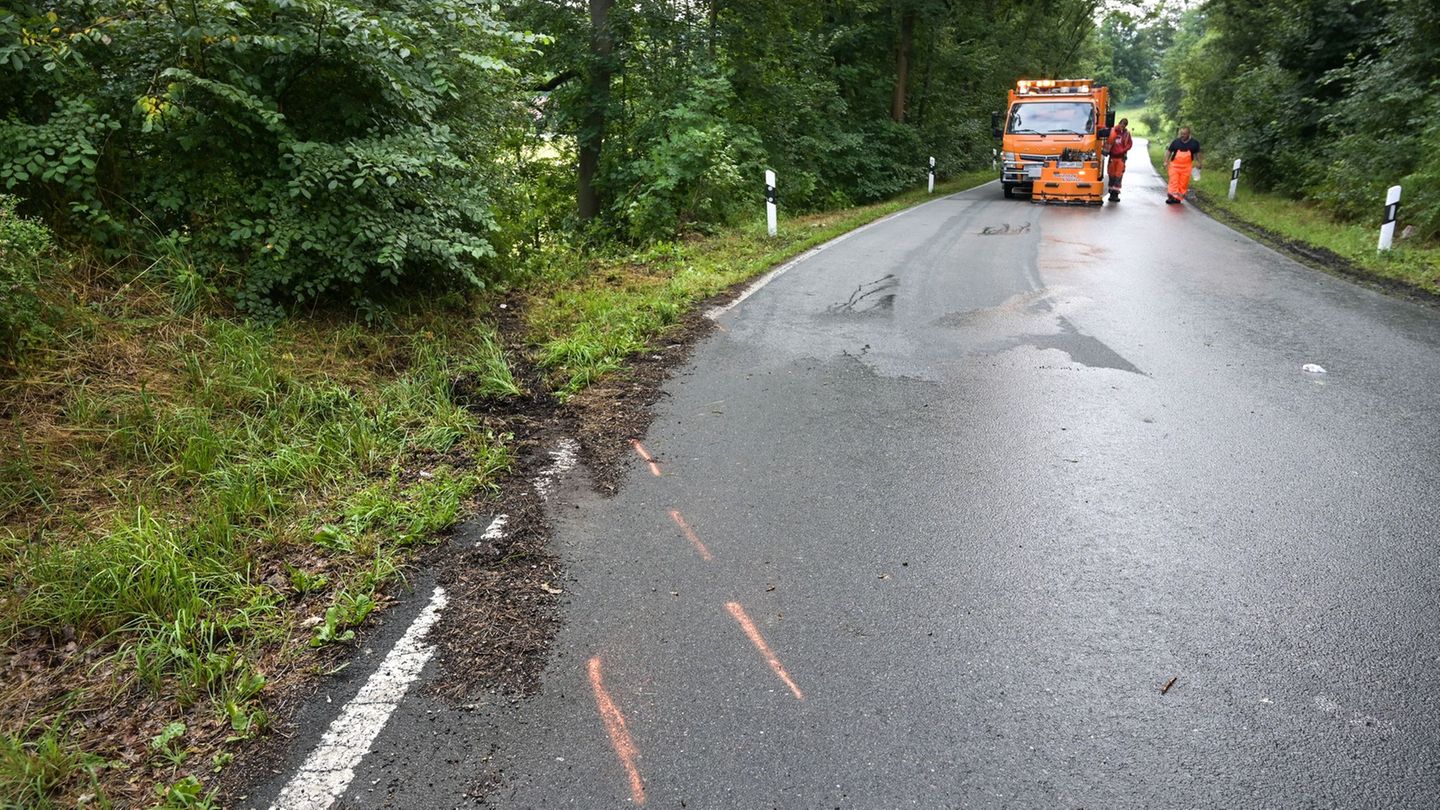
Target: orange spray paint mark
[(645, 454), (759, 641), (690, 535), (619, 735)]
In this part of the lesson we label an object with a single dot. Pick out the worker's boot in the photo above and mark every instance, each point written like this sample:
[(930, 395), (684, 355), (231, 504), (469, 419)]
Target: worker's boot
[(1114, 196)]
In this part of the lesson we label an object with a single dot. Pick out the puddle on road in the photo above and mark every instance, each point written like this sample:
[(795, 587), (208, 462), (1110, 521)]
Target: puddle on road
[(1014, 322), (1086, 350), (1031, 302)]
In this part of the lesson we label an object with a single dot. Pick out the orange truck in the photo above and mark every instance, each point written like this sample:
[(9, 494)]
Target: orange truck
[(1052, 134)]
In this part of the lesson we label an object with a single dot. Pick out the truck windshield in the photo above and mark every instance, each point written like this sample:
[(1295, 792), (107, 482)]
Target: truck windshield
[(1052, 118)]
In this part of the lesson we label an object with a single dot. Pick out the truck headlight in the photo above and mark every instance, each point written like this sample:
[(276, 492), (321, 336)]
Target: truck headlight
[(1010, 156)]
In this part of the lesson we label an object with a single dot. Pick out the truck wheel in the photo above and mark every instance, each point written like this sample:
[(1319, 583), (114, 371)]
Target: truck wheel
[(1009, 190)]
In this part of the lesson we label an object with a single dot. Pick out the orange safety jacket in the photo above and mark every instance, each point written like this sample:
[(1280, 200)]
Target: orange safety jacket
[(1120, 143)]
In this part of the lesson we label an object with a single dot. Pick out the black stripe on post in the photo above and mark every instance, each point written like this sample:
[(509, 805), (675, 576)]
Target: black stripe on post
[(771, 195), (1392, 212), (1234, 174)]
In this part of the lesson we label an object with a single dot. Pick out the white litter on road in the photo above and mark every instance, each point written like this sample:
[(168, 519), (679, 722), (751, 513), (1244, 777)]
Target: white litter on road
[(562, 460), (1312, 368), (330, 768)]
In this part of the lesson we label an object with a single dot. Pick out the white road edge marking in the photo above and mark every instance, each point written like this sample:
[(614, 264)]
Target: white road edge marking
[(330, 768), (495, 530), (715, 312), (562, 460)]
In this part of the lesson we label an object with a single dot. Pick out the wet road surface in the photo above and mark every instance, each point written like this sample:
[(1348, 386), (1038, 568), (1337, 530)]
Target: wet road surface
[(944, 509)]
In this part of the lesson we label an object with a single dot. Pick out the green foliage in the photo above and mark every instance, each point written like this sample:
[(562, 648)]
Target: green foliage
[(23, 244), (306, 151), (689, 167), (187, 794), (165, 745), (349, 610), (1125, 50), (141, 572), (1324, 100)]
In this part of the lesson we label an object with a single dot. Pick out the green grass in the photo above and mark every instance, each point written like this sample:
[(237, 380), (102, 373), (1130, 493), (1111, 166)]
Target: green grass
[(33, 771), (1409, 264), (1141, 120), (589, 314), (178, 491)]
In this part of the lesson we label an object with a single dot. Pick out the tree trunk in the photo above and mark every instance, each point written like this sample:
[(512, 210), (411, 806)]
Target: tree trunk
[(714, 25), (925, 82), (902, 64), (592, 126)]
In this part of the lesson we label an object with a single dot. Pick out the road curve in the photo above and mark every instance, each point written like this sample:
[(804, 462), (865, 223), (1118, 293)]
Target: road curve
[(996, 505)]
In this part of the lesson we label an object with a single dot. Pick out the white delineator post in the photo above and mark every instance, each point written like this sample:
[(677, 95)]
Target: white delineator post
[(1392, 210), (1234, 178), (771, 197), (932, 175)]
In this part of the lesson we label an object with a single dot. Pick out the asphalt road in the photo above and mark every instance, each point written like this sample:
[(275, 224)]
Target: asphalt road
[(985, 478)]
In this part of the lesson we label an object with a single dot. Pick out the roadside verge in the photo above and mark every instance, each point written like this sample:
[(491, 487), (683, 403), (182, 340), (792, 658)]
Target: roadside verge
[(201, 515), (1308, 235)]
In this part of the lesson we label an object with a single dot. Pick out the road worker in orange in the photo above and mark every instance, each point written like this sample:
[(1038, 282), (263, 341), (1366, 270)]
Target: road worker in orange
[(1181, 157), (1118, 147)]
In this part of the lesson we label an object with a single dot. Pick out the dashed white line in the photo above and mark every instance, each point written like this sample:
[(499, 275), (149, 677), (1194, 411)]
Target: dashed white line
[(330, 768)]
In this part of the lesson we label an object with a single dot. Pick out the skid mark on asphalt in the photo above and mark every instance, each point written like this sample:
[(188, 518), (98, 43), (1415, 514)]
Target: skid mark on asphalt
[(645, 454), (875, 296), (690, 535), (328, 771), (1005, 230), (619, 734), (758, 640)]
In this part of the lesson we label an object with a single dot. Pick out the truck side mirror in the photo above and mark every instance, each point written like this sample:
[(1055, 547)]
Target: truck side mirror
[(1109, 119), (995, 128)]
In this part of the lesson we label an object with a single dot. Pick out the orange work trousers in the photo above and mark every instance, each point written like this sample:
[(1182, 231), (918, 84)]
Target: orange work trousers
[(1180, 176), (1116, 170)]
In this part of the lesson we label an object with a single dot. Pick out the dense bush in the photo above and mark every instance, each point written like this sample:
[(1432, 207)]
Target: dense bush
[(22, 244), (691, 166), (307, 150)]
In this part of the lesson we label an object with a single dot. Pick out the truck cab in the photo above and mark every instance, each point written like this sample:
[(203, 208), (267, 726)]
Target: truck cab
[(1048, 120)]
